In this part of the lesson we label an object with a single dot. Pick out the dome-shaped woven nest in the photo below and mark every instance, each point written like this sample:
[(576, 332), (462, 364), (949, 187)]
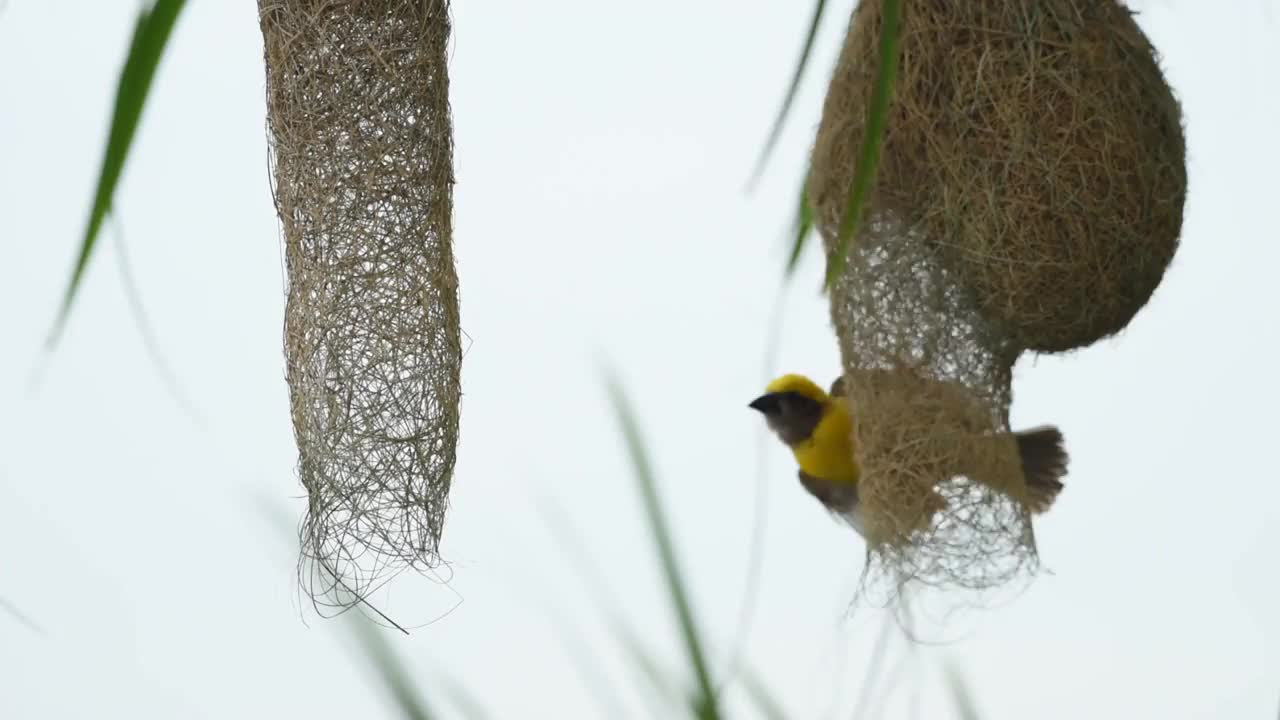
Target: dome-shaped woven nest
[(1035, 143), (1029, 197)]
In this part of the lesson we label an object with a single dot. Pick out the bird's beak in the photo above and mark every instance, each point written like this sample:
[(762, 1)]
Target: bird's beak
[(766, 404)]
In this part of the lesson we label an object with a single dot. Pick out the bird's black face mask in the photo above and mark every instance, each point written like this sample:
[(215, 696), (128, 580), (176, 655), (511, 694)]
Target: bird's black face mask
[(789, 414)]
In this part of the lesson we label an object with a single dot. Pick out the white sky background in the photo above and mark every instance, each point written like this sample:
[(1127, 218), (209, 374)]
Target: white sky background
[(601, 153)]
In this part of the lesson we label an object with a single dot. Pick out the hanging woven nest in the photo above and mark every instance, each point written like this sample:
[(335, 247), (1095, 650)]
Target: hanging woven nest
[(361, 138), (1029, 197)]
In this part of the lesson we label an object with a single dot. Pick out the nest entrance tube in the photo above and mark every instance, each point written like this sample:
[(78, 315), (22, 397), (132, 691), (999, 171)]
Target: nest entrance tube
[(941, 484), (362, 150), (1029, 196)]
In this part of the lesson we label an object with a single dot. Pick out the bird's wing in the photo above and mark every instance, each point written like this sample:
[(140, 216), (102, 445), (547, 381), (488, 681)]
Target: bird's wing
[(837, 387), (839, 498)]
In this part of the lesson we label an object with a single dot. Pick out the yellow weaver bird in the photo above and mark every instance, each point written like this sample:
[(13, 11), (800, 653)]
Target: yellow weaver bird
[(818, 427)]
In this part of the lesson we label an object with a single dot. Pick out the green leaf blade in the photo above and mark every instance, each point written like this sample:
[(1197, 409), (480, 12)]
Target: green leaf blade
[(960, 694), (815, 21), (705, 703), (150, 37), (802, 228), (762, 698), (391, 671), (873, 137)]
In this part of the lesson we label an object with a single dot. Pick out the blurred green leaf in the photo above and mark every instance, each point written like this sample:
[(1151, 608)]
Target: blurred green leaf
[(391, 671), (960, 693), (466, 703), (706, 704), (760, 510), (873, 138), (572, 546), (591, 669), (149, 340), (875, 663), (663, 688), (819, 6), (21, 617), (897, 671), (150, 36), (802, 227), (764, 700), (663, 691)]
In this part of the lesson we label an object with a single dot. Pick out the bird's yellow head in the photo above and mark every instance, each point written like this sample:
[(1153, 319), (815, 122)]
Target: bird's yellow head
[(792, 405), (798, 384)]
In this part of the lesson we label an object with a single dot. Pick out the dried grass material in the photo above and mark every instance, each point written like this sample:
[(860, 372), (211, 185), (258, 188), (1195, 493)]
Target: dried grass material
[(941, 487), (1036, 142), (1029, 196), (358, 109)]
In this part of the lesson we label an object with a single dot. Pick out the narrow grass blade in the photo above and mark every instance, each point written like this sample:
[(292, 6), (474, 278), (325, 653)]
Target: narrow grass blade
[(764, 700), (573, 547), (875, 663), (706, 702), (901, 668), (591, 670), (873, 138), (662, 689), (760, 509), (802, 227), (21, 617), (466, 703), (566, 535), (149, 340), (819, 6), (390, 669), (150, 36), (960, 693)]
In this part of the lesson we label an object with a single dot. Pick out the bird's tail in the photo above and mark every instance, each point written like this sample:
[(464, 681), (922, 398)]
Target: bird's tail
[(1044, 462)]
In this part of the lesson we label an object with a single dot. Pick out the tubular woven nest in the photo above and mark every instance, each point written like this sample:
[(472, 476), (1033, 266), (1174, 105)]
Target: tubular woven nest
[(1029, 197), (361, 138)]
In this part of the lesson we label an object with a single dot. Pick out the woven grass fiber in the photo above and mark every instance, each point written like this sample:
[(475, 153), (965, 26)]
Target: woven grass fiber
[(1029, 197), (361, 138)]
